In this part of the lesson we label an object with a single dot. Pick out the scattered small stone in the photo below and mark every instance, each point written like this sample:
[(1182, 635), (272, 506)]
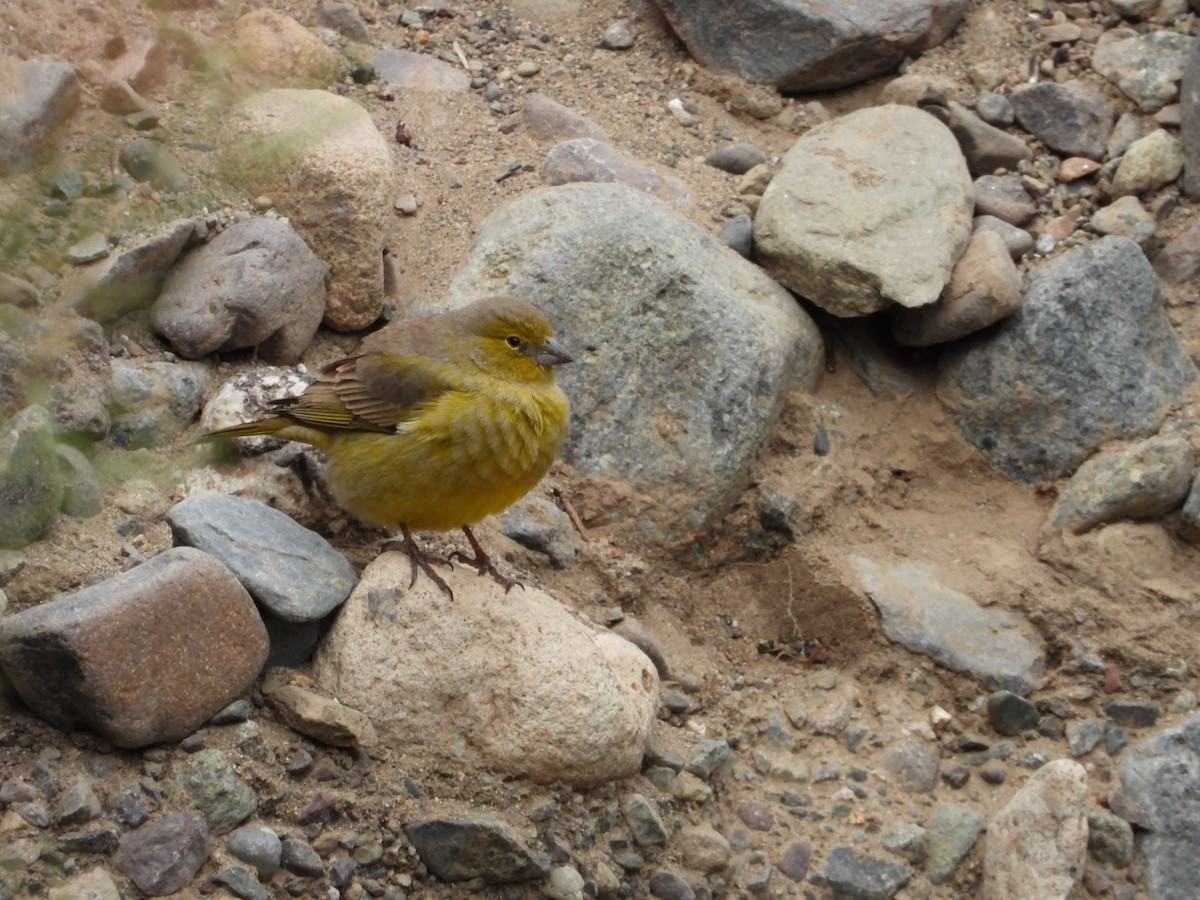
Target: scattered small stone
[(78, 804), (1110, 839), (737, 159), (619, 35), (299, 858), (644, 820), (710, 755), (993, 774), (1083, 736), (163, 856), (666, 885), (88, 249), (241, 884), (479, 847), (258, 847), (209, 780), (906, 840), (951, 832), (1010, 714), (527, 68), (795, 860), (756, 815), (913, 766), (1132, 713), (849, 875)]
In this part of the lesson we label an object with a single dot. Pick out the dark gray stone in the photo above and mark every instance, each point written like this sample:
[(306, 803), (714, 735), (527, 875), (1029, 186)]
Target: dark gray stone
[(853, 877), (644, 820), (241, 883), (709, 756), (666, 885), (913, 767), (295, 573), (1067, 117), (738, 234), (795, 860), (1147, 67), (1004, 197), (258, 847), (1048, 385), (479, 847), (1009, 714), (538, 524), (1083, 736), (163, 856), (736, 159), (1161, 775), (299, 858), (985, 147), (1132, 713), (801, 47), (78, 804)]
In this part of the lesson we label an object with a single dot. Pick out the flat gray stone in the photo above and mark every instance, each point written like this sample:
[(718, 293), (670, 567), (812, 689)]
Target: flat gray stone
[(950, 833), (478, 847), (992, 645), (1146, 68), (293, 572), (47, 94), (854, 877)]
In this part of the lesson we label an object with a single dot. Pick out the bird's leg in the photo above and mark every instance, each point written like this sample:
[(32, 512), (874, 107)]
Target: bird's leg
[(482, 562), (417, 559)]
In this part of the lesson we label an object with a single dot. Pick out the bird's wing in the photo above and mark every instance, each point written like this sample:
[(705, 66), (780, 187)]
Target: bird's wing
[(373, 392)]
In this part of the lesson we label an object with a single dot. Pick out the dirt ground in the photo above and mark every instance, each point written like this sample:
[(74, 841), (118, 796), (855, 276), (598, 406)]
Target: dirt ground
[(747, 618)]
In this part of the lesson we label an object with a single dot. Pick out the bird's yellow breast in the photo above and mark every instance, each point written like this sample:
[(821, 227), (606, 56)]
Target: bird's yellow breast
[(471, 453)]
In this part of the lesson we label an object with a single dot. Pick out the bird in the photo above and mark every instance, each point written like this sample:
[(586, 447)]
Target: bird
[(436, 422)]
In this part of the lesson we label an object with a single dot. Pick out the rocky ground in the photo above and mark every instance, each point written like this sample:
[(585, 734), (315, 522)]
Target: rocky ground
[(814, 736)]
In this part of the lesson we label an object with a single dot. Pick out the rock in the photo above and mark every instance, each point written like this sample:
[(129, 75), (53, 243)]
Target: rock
[(1018, 241), (17, 291), (1037, 844), (149, 161), (919, 612), (255, 285), (419, 72), (795, 859), (278, 50), (78, 805), (322, 719), (47, 94), (703, 849), (1109, 839), (547, 119), (710, 755), (564, 883), (83, 495), (535, 691), (1004, 197), (258, 847), (644, 820), (154, 402), (130, 279), (913, 767), (849, 875), (1149, 478), (1067, 117), (329, 171), (1083, 736), (1132, 713), (1189, 125), (950, 833), (31, 481), (110, 656), (801, 48), (536, 523), (241, 884), (293, 572), (299, 858), (345, 20), (738, 235), (1075, 167), (578, 252), (985, 147), (620, 35), (906, 840), (1046, 388), (737, 159), (88, 249), (1147, 68), (95, 884), (1149, 164), (587, 159), (909, 222), (756, 816), (984, 288), (479, 847), (1179, 261), (1125, 218), (1009, 714), (162, 857), (209, 781)]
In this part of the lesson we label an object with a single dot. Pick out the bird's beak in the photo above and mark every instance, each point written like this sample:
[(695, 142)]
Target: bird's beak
[(552, 353)]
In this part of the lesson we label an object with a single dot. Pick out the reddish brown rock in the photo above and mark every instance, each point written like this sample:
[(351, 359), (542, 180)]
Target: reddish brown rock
[(144, 657)]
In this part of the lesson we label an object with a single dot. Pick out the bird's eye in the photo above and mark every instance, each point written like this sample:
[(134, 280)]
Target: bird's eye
[(513, 341)]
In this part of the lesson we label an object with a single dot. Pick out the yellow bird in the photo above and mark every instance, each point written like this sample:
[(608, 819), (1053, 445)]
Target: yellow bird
[(436, 423)]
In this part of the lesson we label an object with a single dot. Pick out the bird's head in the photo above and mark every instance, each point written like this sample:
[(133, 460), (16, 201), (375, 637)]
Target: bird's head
[(513, 340)]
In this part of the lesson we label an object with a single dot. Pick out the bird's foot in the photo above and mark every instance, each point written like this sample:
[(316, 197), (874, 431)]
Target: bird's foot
[(482, 563), (418, 559)]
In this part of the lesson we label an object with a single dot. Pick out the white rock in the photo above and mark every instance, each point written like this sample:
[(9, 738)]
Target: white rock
[(1037, 845), (512, 681)]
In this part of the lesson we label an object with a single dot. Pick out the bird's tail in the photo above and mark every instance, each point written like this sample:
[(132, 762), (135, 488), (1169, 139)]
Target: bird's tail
[(248, 429)]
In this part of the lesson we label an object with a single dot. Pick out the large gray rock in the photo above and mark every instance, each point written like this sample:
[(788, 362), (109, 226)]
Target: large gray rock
[(515, 682), (1037, 844), (916, 610), (683, 348), (31, 479), (1068, 117), (868, 210), (43, 95), (1089, 357), (256, 284), (801, 46), (1162, 776), (329, 170), (1147, 68), (146, 656)]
